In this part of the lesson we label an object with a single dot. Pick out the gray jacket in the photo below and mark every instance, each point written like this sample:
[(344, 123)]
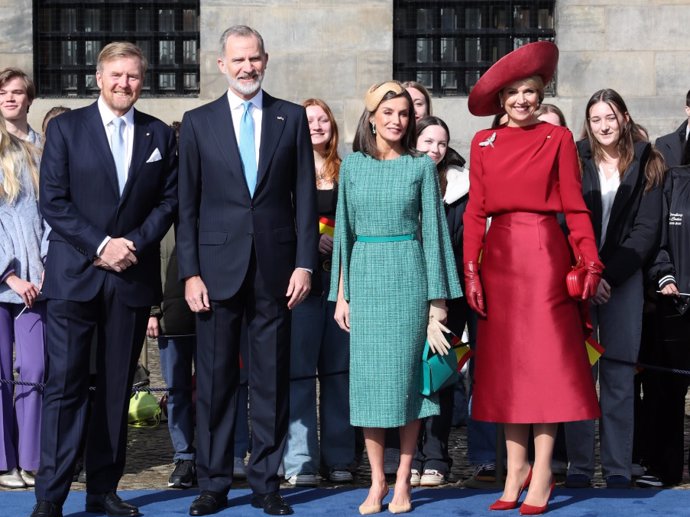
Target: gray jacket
[(23, 238)]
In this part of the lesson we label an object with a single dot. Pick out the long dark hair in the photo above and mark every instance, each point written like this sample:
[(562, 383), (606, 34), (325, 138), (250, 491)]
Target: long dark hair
[(630, 133), (451, 158), (365, 139)]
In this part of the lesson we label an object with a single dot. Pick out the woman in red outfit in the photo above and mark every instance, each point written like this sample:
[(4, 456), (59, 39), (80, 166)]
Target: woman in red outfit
[(531, 363)]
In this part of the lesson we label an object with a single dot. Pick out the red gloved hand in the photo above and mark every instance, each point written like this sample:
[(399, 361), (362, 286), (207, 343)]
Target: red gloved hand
[(592, 279), (473, 289)]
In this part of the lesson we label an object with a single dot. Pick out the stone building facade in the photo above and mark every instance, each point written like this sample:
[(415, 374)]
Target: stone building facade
[(335, 49)]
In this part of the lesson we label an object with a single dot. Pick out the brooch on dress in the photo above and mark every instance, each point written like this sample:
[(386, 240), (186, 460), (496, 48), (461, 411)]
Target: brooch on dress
[(489, 141)]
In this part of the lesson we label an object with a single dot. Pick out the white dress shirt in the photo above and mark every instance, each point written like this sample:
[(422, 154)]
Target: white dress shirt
[(609, 188), (107, 118), (237, 110)]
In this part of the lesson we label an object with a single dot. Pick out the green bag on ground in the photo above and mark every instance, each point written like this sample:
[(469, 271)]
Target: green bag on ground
[(144, 410)]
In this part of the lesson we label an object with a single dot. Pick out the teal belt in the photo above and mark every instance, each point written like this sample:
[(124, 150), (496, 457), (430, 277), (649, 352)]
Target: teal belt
[(385, 238)]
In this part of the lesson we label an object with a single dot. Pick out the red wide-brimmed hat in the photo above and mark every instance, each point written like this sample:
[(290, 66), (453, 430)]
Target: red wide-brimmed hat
[(538, 58)]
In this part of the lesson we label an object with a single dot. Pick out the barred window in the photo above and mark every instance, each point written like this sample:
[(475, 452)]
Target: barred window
[(69, 35), (447, 44)]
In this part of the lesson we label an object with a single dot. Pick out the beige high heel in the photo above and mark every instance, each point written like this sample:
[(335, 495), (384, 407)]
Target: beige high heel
[(369, 509), (399, 508)]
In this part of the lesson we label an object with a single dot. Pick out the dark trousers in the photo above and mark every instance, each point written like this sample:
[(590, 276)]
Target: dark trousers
[(432, 446), (218, 349), (664, 395), (70, 327)]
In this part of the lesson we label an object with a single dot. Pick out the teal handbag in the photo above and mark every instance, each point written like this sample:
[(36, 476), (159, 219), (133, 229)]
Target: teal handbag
[(438, 371)]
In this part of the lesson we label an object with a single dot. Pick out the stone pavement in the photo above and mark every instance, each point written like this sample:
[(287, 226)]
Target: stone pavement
[(149, 451), (149, 454)]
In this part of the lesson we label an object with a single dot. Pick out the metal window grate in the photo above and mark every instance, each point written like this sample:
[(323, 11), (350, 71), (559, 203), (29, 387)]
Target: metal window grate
[(446, 45), (68, 36)]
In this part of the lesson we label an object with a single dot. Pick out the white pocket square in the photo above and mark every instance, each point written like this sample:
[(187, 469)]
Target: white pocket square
[(155, 156)]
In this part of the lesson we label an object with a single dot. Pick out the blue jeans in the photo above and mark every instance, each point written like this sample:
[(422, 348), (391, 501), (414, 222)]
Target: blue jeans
[(481, 436), (176, 355), (318, 344)]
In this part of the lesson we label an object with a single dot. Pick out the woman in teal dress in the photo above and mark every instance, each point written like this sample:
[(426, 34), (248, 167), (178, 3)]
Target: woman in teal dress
[(393, 269)]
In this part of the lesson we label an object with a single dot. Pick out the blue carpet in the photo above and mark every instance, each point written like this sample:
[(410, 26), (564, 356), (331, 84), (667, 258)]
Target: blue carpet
[(334, 502)]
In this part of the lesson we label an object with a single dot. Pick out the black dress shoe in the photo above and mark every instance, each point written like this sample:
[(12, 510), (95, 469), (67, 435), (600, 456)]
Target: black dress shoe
[(208, 503), (46, 509), (110, 504), (272, 504)]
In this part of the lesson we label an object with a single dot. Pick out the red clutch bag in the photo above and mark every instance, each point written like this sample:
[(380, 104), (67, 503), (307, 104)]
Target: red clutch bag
[(575, 280)]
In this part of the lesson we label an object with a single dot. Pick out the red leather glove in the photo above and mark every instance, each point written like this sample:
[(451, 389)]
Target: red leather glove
[(473, 288), (592, 279)]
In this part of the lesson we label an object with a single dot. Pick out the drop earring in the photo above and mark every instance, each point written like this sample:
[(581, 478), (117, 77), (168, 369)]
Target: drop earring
[(373, 128)]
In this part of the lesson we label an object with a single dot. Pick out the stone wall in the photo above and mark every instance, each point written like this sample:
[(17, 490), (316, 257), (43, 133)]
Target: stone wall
[(335, 50)]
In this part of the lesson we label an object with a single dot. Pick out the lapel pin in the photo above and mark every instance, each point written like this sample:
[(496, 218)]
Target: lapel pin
[(148, 134), (281, 118)]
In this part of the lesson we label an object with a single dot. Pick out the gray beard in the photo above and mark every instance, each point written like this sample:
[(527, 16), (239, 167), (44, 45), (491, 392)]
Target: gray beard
[(245, 89)]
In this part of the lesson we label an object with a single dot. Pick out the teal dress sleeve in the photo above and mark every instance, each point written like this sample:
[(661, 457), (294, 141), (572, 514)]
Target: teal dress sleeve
[(344, 235), (441, 271)]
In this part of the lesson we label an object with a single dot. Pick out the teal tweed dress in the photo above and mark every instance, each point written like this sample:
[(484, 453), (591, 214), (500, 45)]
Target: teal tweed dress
[(389, 284)]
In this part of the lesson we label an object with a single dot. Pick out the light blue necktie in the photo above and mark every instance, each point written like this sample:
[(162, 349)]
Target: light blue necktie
[(247, 147), (119, 149)]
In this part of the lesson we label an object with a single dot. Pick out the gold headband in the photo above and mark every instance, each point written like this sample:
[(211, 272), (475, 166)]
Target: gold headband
[(377, 91)]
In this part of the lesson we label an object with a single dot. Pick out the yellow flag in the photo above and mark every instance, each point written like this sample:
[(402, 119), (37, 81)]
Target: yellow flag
[(594, 350)]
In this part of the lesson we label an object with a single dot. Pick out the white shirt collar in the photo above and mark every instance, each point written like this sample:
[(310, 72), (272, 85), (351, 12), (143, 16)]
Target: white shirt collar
[(107, 116), (237, 101)]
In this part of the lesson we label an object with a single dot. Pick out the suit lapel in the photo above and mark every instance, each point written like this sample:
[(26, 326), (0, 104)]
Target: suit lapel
[(141, 145), (220, 126), (629, 185), (99, 140), (272, 126)]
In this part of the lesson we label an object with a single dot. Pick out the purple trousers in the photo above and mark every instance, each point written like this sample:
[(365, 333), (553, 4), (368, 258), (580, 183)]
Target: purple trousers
[(20, 406)]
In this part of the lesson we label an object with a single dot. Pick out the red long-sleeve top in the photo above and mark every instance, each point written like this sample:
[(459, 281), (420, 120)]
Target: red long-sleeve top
[(526, 169)]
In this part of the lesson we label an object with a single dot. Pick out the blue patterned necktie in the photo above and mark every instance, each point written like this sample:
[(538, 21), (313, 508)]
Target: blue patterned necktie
[(247, 147), (119, 149)]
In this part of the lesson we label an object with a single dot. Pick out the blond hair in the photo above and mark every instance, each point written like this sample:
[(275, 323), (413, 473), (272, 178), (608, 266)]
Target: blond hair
[(120, 49), (15, 154)]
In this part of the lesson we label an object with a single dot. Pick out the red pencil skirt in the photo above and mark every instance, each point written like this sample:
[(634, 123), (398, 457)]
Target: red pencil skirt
[(531, 362)]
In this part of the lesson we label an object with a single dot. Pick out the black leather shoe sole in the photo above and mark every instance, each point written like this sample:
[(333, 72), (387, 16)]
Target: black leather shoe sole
[(272, 504), (207, 504), (113, 511), (46, 509)]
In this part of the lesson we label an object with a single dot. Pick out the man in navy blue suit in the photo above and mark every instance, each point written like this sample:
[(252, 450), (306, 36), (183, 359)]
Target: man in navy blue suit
[(108, 189), (246, 245)]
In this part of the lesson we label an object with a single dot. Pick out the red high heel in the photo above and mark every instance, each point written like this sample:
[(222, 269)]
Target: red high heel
[(500, 504), (528, 509)]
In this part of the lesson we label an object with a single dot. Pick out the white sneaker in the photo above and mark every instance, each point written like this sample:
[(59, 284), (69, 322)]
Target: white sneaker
[(340, 476), (432, 477), (303, 480), (12, 479), (239, 471), (415, 479), (28, 477)]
